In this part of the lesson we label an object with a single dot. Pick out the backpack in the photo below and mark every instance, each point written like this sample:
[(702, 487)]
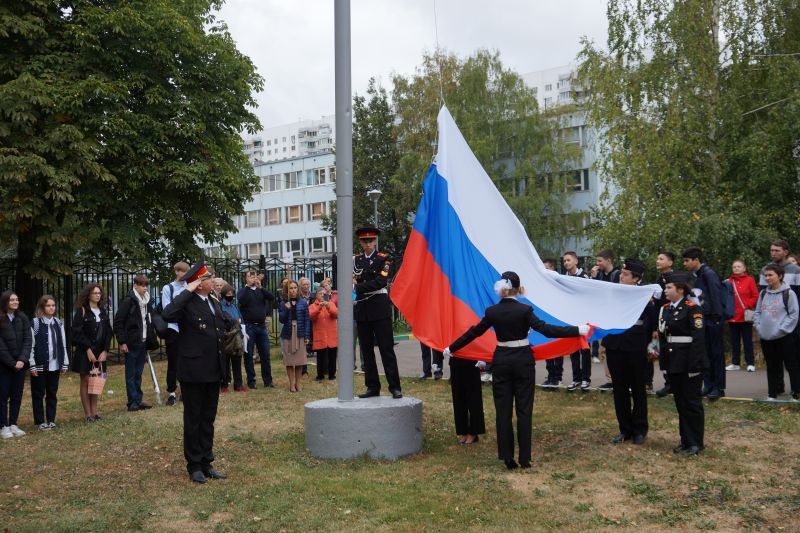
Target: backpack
[(155, 316), (785, 295), (728, 300)]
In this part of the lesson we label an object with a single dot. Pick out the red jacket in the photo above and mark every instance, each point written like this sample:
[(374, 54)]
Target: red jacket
[(323, 321), (745, 285)]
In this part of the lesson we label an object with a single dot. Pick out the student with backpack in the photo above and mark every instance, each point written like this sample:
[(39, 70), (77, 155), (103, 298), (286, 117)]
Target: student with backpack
[(168, 293), (49, 359), (775, 320)]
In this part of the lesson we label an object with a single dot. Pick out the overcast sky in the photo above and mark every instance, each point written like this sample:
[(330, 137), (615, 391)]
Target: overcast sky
[(291, 41)]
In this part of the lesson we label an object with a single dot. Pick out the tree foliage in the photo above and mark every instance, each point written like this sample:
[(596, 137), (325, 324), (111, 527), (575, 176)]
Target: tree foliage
[(520, 147), (119, 129), (697, 102)]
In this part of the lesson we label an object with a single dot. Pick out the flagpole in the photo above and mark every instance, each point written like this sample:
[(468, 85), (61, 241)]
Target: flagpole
[(344, 197)]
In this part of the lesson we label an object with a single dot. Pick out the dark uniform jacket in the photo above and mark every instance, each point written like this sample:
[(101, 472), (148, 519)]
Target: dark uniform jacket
[(511, 320), (201, 337), (372, 274), (637, 337), (683, 320)]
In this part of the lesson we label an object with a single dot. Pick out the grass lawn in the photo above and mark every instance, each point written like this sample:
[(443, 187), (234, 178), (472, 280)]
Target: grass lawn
[(127, 472)]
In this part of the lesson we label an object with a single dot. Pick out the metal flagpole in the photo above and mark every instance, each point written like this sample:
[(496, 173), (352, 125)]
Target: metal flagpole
[(344, 196)]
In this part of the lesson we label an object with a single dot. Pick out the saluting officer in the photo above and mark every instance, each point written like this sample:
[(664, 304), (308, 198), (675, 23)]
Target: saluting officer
[(626, 353), (373, 313), (683, 351), (200, 367)]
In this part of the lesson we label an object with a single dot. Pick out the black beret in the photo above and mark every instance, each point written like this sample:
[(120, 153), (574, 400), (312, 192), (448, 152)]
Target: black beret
[(678, 277), (634, 265)]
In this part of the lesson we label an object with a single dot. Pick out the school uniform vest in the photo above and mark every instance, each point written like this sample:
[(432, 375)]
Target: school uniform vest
[(41, 348)]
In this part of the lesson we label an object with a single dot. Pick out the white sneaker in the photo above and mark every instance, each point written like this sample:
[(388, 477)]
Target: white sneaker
[(751, 368), (733, 367), (5, 433), (595, 359), (16, 431), (584, 386), (770, 399), (44, 426), (486, 377)]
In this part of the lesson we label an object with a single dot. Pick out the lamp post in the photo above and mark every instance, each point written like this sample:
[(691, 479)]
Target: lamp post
[(374, 195)]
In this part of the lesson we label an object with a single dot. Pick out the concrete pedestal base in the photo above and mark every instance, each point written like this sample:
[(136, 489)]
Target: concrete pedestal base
[(382, 427)]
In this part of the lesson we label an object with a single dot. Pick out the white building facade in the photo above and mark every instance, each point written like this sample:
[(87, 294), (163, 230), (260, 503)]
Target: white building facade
[(290, 141), (284, 219), (556, 87)]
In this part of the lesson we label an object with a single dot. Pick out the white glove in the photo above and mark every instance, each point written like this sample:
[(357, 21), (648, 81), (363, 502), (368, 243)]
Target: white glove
[(657, 293), (583, 329), (481, 365), (446, 352)]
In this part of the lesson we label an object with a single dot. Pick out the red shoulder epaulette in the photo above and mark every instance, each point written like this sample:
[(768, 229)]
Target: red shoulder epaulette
[(383, 254), (690, 303), (665, 305)]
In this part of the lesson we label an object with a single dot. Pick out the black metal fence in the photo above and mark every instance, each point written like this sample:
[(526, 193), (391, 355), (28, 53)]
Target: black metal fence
[(117, 280)]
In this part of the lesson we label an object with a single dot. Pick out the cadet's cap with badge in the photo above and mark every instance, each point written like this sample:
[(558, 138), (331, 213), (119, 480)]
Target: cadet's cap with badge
[(198, 271), (368, 232), (678, 277), (635, 266)]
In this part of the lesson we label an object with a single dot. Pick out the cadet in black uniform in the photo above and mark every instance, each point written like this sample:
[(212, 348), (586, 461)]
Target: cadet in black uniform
[(626, 353), (683, 352), (200, 367), (373, 314), (513, 369)]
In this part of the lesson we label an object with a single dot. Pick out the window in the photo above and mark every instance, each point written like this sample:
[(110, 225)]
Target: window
[(272, 216), (332, 174), (292, 180), (269, 152), (254, 250), (317, 245), (580, 180), (284, 139), (315, 176), (272, 249), (293, 138), (284, 149), (269, 143), (315, 211), (294, 247), (294, 213), (548, 87), (236, 222), (275, 141), (548, 102), (258, 144), (293, 148), (273, 183), (251, 219)]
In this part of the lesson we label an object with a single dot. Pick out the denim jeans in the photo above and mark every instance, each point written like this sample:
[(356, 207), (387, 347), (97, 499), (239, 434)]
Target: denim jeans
[(134, 365), (258, 337)]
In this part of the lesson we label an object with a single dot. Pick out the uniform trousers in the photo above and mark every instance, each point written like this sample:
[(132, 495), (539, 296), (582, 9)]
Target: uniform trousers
[(689, 402), (715, 373), (465, 384), (581, 365), (555, 368), (777, 354), (200, 402), (172, 360), (44, 391), (513, 374), (427, 355), (370, 331), (629, 378)]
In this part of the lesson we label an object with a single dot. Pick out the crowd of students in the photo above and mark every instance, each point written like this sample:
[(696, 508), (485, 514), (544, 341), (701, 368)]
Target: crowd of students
[(309, 324)]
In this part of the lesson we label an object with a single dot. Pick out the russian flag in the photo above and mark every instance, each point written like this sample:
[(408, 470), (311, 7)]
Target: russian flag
[(464, 236)]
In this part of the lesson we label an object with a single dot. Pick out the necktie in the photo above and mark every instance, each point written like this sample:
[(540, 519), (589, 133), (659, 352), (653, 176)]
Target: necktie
[(52, 340)]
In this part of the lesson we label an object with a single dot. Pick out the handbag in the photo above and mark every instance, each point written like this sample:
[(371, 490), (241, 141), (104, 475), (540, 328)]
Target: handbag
[(749, 314), (97, 379)]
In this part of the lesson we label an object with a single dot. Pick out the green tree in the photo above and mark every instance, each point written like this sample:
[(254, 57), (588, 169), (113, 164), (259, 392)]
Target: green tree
[(688, 159), (521, 148), (119, 131), (375, 160)]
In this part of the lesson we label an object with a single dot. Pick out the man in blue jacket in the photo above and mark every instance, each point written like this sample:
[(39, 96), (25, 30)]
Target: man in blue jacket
[(710, 288)]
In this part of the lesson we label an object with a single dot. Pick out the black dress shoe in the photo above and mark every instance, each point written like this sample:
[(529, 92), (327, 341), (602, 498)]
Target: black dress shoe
[(171, 400), (678, 449), (691, 450), (369, 393), (619, 439), (511, 464), (251, 386), (143, 405), (212, 473), (396, 394), (715, 394), (639, 439), (134, 407), (524, 464), (664, 391), (437, 375), (198, 477)]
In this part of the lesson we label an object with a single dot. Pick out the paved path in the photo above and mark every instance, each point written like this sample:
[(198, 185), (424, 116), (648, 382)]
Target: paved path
[(740, 384)]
